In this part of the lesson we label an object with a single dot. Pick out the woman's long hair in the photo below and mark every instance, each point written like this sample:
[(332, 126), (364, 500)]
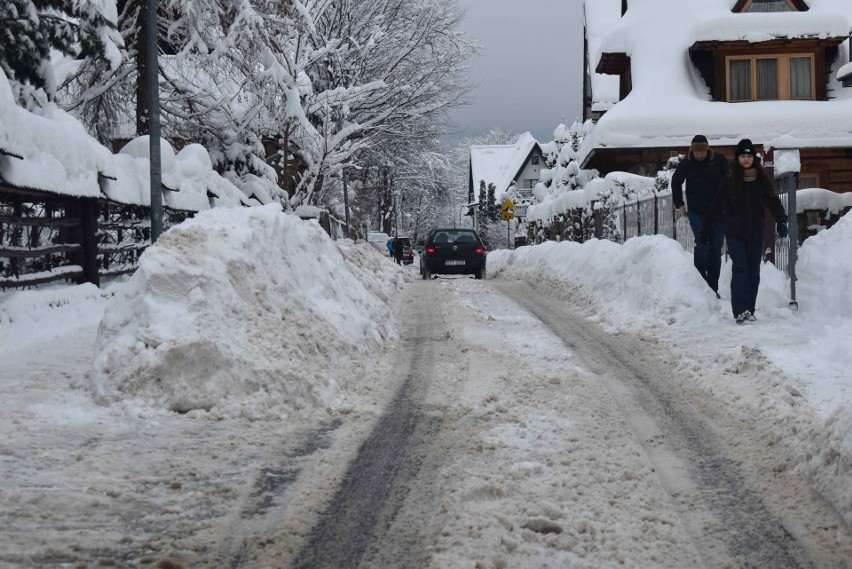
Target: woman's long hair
[(738, 172)]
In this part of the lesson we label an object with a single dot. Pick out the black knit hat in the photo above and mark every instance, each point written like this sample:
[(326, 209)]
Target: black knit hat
[(745, 147)]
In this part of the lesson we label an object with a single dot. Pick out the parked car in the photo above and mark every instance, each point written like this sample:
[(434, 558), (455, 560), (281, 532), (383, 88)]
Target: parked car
[(407, 251), (453, 251), (379, 240)]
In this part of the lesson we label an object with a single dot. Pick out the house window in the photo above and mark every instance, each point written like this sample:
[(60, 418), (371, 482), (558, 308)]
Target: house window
[(807, 180), (529, 183), (756, 78), (769, 6), (534, 160)]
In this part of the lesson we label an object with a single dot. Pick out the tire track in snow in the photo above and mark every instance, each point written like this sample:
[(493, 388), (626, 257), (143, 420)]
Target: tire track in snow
[(376, 484), (728, 521)]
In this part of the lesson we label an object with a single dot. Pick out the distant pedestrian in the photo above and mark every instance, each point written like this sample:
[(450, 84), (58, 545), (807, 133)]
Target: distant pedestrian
[(389, 245), (398, 247), (702, 171), (740, 199)]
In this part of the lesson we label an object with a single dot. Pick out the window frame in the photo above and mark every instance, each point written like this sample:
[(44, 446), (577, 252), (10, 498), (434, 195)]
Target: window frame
[(747, 7), (783, 71), (814, 175)]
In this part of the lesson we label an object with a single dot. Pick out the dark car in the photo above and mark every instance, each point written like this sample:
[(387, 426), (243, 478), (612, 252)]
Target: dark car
[(453, 251), (407, 251)]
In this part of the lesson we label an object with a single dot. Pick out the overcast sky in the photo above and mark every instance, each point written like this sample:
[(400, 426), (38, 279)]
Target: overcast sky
[(530, 68)]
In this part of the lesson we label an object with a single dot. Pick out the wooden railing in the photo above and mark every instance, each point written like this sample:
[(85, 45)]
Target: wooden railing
[(46, 237)]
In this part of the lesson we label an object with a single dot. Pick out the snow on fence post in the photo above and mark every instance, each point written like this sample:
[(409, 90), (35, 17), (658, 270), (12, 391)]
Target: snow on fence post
[(598, 216), (656, 216), (787, 187)]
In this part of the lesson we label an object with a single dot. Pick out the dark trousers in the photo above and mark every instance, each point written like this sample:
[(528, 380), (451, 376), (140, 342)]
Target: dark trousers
[(707, 256), (746, 257)]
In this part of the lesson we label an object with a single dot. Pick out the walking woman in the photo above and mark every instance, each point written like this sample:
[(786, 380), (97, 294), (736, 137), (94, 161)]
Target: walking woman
[(740, 199)]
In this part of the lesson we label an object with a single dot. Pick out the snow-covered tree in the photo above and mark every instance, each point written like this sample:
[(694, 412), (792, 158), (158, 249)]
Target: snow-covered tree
[(563, 172), (78, 29), (325, 81)]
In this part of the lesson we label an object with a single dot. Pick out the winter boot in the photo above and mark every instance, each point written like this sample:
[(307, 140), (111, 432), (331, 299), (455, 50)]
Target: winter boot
[(744, 317)]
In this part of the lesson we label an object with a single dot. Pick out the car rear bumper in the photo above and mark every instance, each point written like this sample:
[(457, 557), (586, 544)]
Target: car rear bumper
[(439, 267)]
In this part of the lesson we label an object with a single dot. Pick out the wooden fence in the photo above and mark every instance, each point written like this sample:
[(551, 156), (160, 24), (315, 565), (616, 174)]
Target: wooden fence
[(47, 237)]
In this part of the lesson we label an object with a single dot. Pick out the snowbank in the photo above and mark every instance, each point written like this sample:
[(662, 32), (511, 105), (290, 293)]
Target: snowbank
[(30, 317), (244, 312)]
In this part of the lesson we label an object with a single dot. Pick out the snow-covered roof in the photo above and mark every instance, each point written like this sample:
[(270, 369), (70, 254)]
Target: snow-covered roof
[(498, 164), (670, 101), (49, 150), (759, 27), (601, 16)]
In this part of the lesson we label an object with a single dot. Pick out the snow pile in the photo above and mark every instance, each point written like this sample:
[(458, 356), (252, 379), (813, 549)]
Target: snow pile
[(244, 312), (28, 317), (624, 281), (824, 268)]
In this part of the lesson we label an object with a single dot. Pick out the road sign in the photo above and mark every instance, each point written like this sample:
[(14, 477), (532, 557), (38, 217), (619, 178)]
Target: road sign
[(507, 211)]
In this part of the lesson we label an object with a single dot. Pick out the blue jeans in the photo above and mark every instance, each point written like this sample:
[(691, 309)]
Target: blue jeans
[(707, 257), (746, 257)]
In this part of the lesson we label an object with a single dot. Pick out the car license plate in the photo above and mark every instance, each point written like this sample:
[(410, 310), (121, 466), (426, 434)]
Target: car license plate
[(455, 262)]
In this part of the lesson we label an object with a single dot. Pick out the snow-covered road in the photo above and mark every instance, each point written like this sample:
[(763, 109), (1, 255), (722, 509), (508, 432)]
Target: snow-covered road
[(501, 429)]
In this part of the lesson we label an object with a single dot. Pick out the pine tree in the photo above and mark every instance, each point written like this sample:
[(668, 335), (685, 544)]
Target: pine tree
[(563, 173), (491, 209)]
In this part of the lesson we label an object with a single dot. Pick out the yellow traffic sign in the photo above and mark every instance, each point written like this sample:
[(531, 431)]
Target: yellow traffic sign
[(507, 211)]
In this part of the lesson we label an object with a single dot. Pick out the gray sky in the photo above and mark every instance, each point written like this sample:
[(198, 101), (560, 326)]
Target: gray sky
[(530, 68)]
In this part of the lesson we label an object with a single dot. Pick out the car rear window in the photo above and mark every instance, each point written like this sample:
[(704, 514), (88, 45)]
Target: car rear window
[(455, 237)]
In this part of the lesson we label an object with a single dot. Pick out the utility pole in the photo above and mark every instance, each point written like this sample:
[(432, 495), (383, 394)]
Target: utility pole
[(152, 77), (346, 200)]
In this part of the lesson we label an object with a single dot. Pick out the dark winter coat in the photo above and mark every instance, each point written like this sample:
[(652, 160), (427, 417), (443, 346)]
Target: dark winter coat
[(743, 208), (702, 180)]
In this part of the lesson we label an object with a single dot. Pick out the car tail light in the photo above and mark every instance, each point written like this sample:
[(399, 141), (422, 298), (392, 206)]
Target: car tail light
[(480, 250), (430, 250)]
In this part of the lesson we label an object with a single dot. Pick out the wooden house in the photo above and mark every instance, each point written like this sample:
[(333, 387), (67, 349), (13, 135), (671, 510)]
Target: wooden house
[(503, 165), (770, 70)]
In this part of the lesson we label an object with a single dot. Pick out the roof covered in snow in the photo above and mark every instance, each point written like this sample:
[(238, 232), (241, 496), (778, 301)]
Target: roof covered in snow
[(670, 102), (498, 164), (601, 16)]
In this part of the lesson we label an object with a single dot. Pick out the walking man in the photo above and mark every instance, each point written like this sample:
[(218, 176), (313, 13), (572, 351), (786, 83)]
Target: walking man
[(397, 250), (702, 171)]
